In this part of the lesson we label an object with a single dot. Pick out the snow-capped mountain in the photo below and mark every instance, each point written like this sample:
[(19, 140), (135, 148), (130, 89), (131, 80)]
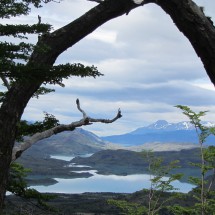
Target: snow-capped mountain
[(161, 132), (164, 125)]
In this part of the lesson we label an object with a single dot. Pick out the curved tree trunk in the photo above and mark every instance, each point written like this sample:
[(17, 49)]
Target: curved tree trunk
[(186, 15), (20, 93), (198, 28)]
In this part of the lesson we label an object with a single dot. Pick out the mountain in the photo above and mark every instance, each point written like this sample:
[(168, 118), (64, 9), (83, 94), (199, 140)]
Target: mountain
[(159, 136), (160, 132), (163, 125), (123, 162), (78, 141)]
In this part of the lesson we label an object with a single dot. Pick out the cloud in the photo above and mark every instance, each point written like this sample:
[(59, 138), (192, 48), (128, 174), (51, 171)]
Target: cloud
[(104, 36), (149, 67)]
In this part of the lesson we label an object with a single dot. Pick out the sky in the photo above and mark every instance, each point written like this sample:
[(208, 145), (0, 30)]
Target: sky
[(148, 66)]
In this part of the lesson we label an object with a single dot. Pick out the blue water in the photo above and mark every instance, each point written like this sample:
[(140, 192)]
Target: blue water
[(68, 158), (106, 183)]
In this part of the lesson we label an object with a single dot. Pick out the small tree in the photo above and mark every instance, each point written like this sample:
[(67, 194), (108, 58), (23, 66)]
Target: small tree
[(161, 180), (17, 185), (18, 67), (203, 193)]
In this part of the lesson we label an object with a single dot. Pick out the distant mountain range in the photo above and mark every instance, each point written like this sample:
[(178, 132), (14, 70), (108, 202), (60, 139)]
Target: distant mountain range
[(159, 136), (160, 132)]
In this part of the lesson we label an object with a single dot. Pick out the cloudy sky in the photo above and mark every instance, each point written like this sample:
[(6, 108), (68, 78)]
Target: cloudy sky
[(148, 66)]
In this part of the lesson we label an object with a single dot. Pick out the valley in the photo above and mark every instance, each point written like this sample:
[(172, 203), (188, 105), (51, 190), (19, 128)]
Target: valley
[(106, 159), (109, 157)]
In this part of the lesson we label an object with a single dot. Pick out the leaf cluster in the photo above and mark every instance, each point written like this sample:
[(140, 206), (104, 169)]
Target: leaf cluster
[(12, 8), (203, 193), (14, 57), (16, 30), (162, 177), (25, 128), (18, 186), (128, 208)]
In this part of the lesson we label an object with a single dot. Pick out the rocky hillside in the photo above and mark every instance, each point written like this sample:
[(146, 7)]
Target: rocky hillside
[(68, 143)]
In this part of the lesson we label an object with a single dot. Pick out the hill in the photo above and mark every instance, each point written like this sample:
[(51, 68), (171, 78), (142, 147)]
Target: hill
[(124, 162), (69, 143)]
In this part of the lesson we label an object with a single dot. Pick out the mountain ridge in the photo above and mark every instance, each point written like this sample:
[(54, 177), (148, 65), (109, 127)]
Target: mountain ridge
[(161, 132), (159, 136), (167, 126)]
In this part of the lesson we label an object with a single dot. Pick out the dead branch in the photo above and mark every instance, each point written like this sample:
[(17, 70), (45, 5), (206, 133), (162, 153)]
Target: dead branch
[(18, 150)]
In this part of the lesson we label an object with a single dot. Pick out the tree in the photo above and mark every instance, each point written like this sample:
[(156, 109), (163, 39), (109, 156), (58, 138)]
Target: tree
[(204, 193), (187, 16), (161, 180)]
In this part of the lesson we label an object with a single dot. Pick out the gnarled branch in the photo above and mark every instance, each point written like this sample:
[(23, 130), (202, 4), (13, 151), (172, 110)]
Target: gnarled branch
[(18, 150)]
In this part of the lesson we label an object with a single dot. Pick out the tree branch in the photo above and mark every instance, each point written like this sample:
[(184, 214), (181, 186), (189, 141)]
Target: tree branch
[(18, 150), (98, 1), (5, 81)]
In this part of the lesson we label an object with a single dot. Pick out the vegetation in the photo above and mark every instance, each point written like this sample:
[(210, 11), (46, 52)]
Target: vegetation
[(162, 197), (23, 64), (203, 194), (156, 194), (25, 67)]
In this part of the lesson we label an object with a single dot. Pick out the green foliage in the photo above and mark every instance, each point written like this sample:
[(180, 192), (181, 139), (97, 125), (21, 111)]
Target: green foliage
[(128, 208), (18, 186), (179, 210), (42, 91), (16, 183), (203, 196), (159, 172), (16, 66), (203, 193), (161, 182), (26, 129), (18, 30), (10, 8), (14, 57)]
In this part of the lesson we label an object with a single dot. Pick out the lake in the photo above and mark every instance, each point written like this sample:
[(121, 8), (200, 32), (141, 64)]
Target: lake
[(104, 183)]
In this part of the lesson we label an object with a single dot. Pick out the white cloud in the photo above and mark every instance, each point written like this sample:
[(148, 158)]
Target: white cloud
[(149, 67), (104, 36)]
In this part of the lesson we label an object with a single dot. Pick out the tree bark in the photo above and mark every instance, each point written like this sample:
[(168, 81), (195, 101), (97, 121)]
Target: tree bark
[(186, 15), (21, 92), (198, 28)]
